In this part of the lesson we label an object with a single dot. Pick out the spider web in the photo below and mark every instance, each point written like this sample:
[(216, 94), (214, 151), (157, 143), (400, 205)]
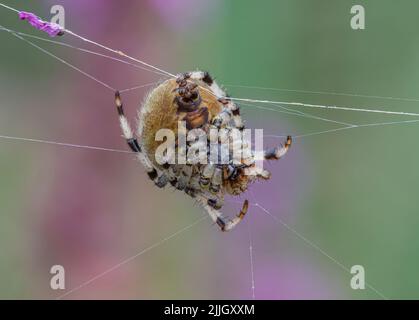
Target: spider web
[(290, 108)]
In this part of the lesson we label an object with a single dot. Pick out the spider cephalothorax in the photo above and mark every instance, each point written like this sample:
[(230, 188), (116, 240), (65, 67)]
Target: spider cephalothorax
[(196, 100)]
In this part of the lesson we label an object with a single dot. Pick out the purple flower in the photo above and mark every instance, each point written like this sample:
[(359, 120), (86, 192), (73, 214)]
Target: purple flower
[(52, 29)]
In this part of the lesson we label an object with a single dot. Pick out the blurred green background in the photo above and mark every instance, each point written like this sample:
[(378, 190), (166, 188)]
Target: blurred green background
[(352, 193)]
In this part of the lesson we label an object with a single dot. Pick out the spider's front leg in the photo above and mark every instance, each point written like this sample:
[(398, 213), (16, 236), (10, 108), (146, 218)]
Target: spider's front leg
[(230, 111), (278, 152), (159, 180), (125, 126), (216, 216), (269, 154), (211, 177)]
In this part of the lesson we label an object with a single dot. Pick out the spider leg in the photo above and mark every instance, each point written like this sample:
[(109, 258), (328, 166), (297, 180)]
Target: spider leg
[(234, 112), (182, 78), (230, 112), (125, 126), (237, 119), (193, 184), (257, 172), (216, 180), (216, 202), (202, 76), (207, 79), (183, 178), (278, 152), (206, 175), (211, 178), (269, 154), (159, 180), (217, 215)]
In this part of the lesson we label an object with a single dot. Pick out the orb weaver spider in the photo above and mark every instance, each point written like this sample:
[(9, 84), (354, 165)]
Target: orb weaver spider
[(196, 99)]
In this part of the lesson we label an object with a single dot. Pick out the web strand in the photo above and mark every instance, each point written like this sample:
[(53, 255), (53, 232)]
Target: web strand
[(130, 259), (9, 8), (17, 35), (357, 126), (316, 133), (63, 144), (63, 44), (296, 113), (293, 104), (356, 95), (63, 61), (314, 246), (139, 87), (318, 106), (252, 272), (118, 52), (70, 145)]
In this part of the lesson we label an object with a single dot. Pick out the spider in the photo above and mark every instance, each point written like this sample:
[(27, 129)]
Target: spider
[(196, 99)]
